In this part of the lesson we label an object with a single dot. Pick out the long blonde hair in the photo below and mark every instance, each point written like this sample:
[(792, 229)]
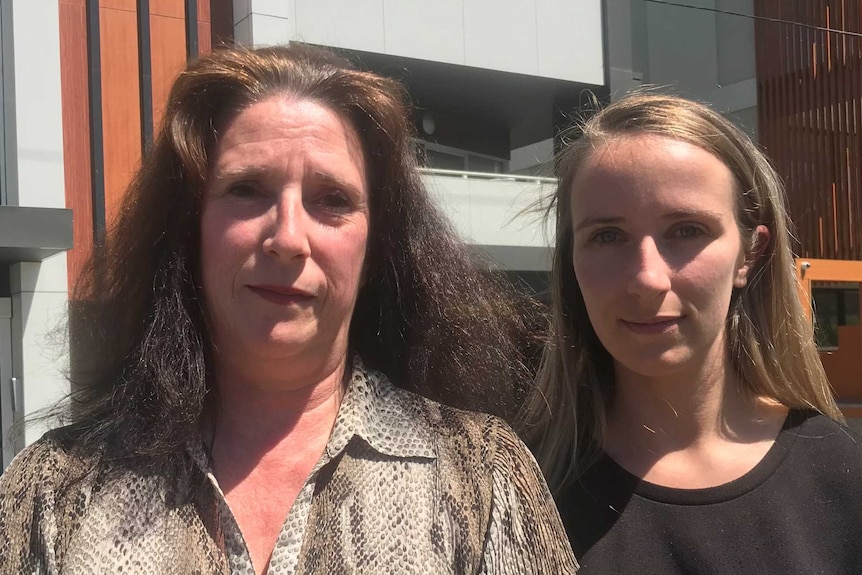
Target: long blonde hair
[(770, 341)]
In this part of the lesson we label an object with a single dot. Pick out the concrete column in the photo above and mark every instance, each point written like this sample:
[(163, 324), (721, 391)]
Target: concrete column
[(264, 22)]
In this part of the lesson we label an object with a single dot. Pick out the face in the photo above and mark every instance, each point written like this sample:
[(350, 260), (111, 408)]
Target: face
[(283, 232), (657, 252)]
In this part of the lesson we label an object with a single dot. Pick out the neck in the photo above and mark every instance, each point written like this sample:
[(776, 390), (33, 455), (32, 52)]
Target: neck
[(255, 415), (680, 409), (692, 429)]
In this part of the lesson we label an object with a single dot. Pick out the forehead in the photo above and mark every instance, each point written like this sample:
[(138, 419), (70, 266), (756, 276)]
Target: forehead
[(264, 130), (649, 172)]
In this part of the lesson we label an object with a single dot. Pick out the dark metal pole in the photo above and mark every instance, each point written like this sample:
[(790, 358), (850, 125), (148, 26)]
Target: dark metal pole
[(192, 47), (97, 151), (145, 75)]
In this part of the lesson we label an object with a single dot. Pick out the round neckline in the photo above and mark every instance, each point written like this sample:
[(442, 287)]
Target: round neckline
[(738, 487)]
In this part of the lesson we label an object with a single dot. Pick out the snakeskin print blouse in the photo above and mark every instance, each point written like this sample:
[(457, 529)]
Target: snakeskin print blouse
[(405, 485)]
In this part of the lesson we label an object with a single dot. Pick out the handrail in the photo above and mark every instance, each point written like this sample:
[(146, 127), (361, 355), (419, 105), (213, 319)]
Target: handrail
[(488, 176)]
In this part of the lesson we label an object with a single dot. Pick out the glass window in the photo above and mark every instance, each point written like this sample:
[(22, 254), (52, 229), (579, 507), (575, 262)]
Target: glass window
[(486, 165), (443, 161), (835, 304)]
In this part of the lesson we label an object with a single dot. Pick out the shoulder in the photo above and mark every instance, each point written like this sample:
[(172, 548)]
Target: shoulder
[(825, 443), (483, 459), (464, 431), (375, 406), (43, 486), (49, 463)]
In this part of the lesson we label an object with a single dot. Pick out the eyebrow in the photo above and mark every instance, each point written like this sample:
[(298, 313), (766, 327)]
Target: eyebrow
[(237, 173), (695, 213), (256, 172), (331, 179), (589, 222), (671, 216)]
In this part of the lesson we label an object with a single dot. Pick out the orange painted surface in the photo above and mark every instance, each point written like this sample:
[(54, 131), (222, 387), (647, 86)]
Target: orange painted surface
[(168, 58), (126, 5), (76, 132), (121, 110), (170, 8), (205, 41), (844, 365), (204, 38)]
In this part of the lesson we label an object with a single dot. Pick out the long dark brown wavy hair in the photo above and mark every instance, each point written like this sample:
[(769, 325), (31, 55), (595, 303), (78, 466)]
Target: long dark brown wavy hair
[(427, 316)]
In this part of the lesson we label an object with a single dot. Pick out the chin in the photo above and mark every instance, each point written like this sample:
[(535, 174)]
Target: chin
[(657, 365)]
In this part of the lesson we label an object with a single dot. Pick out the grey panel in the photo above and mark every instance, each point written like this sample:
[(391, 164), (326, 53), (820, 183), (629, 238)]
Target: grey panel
[(516, 258), (33, 234)]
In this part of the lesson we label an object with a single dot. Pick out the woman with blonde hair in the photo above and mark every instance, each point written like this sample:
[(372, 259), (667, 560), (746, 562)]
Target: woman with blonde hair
[(687, 425)]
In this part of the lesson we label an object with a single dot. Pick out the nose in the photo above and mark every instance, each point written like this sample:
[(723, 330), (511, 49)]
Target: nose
[(651, 274), (287, 235)]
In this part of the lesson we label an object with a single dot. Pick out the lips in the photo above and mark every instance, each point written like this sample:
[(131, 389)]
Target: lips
[(280, 295), (652, 326)]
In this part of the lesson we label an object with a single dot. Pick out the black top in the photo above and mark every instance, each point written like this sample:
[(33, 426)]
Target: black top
[(799, 511)]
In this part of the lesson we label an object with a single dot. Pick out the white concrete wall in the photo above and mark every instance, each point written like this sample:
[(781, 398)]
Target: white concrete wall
[(37, 105), (495, 212), (551, 38), (39, 356), (35, 178)]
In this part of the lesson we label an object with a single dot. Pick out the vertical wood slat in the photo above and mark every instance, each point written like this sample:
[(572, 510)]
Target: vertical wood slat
[(205, 26), (810, 118), (76, 132), (167, 51)]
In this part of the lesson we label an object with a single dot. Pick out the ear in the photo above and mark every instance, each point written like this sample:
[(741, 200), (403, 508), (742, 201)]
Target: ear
[(753, 252)]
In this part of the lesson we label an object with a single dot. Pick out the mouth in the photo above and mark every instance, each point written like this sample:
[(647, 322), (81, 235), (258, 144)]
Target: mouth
[(650, 326), (281, 295)]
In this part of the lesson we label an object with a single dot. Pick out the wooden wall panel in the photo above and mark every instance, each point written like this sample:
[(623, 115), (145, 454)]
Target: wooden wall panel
[(205, 28), (168, 51), (121, 110), (169, 8), (76, 132), (810, 117), (205, 45), (127, 5)]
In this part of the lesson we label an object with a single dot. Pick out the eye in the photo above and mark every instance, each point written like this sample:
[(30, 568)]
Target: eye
[(335, 200), (689, 231), (605, 237), (242, 190)]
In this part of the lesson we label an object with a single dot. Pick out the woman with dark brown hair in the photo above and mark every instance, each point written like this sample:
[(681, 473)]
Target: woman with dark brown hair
[(276, 264)]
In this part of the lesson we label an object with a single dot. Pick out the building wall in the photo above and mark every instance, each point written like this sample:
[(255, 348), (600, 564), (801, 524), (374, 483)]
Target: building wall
[(123, 125), (716, 65), (59, 150), (810, 115), (34, 167), (550, 38), (500, 216)]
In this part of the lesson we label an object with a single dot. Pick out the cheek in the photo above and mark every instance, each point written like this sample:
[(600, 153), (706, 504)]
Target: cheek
[(596, 278), (342, 256), (225, 246), (708, 283)]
